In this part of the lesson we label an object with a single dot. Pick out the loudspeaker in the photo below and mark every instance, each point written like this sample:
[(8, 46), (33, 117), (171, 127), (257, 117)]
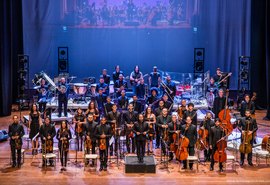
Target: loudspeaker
[(199, 67), (198, 53), (63, 60), (199, 60)]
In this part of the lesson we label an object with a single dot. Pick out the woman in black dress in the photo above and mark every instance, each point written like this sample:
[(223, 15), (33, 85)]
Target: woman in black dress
[(34, 124), (79, 120), (92, 109), (150, 118)]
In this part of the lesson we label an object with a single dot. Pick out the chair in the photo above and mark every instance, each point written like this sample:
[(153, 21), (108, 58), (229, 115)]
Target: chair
[(49, 156), (88, 157), (195, 159), (230, 161), (261, 154)]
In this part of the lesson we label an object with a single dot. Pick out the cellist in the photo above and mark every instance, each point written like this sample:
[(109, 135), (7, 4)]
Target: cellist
[(216, 133), (247, 123), (190, 131), (174, 128)]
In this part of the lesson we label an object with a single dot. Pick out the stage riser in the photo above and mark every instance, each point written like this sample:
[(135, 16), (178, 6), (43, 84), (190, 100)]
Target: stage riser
[(133, 166)]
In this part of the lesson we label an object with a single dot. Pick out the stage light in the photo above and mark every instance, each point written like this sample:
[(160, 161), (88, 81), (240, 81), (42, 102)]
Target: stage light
[(64, 28), (195, 29)]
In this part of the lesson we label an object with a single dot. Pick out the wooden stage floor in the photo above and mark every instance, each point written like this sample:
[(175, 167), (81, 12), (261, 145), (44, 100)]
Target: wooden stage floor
[(32, 173)]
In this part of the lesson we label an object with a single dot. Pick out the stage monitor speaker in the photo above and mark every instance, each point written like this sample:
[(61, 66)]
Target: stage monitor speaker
[(199, 54), (63, 60), (62, 53)]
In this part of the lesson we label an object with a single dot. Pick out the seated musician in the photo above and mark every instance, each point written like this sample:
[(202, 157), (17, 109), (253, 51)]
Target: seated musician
[(117, 73), (169, 87), (63, 135), (154, 78), (162, 122), (89, 135), (211, 87), (167, 103), (138, 107), (207, 123), (120, 85), (189, 130), (130, 117), (103, 85), (174, 127), (42, 95), (141, 89), (182, 110), (100, 100), (114, 118), (247, 126), (106, 77), (47, 133), (153, 98), (134, 78), (150, 118), (140, 129), (191, 113), (103, 134), (16, 132), (247, 104), (216, 133), (123, 100), (79, 120), (108, 106)]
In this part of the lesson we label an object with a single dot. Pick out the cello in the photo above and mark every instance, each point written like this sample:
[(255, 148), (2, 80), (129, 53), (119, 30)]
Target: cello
[(202, 143), (174, 144), (224, 115), (220, 154), (245, 147), (181, 152)]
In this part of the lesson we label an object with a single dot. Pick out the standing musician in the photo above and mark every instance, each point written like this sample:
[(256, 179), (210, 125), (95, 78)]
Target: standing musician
[(181, 111), (16, 132), (211, 92), (92, 109), (130, 117), (34, 124), (153, 98), (218, 77), (123, 100), (103, 134), (174, 127), (90, 138), (63, 135), (167, 103), (189, 130), (162, 123), (207, 123), (150, 118), (140, 129), (247, 104), (79, 120), (169, 87), (47, 133), (158, 112), (247, 126), (191, 113), (141, 89), (119, 85), (134, 78), (216, 134), (138, 107), (103, 86), (114, 118), (106, 77), (108, 106), (219, 103), (154, 78), (117, 73), (42, 95), (63, 91)]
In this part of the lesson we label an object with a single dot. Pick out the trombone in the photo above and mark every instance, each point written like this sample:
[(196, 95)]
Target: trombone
[(167, 90)]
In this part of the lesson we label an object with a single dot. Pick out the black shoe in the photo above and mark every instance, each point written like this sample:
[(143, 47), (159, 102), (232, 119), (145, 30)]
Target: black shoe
[(221, 170), (241, 163), (191, 168), (43, 164), (19, 165), (105, 169), (51, 164), (170, 159), (100, 169), (250, 163), (211, 169), (184, 168), (13, 165)]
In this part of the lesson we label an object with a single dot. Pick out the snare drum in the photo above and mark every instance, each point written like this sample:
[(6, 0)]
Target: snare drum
[(80, 88)]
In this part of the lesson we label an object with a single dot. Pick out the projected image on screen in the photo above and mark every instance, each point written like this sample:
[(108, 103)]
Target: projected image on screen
[(126, 13)]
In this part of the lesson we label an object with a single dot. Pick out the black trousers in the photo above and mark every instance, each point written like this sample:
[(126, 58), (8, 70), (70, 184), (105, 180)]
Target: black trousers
[(63, 157), (61, 102), (191, 152), (103, 158), (132, 139), (157, 136), (113, 147), (212, 158), (207, 154), (249, 155), (42, 106), (163, 146), (79, 138), (140, 149), (13, 155)]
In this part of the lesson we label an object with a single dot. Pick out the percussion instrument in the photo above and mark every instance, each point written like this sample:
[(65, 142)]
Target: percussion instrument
[(80, 88)]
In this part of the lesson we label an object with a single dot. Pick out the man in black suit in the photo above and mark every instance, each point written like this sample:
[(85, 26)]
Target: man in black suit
[(122, 100), (108, 105), (140, 129), (136, 104), (215, 135), (130, 117), (16, 132), (63, 91), (247, 104), (174, 127), (103, 134), (90, 129), (219, 103), (190, 112), (189, 130), (248, 126), (162, 122)]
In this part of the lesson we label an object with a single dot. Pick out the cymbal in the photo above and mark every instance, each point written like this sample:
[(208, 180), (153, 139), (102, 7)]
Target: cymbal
[(72, 77)]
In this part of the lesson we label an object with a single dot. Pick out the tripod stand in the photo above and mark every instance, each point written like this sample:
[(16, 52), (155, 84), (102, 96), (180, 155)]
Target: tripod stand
[(165, 162)]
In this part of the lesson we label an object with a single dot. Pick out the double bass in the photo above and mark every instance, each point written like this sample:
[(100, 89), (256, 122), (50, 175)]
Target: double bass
[(266, 143), (181, 152), (224, 115)]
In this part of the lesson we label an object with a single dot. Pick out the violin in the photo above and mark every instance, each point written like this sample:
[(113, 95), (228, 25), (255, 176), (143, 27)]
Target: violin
[(224, 115), (182, 152)]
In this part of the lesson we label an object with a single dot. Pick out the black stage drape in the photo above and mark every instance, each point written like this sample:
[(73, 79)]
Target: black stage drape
[(11, 45), (260, 51)]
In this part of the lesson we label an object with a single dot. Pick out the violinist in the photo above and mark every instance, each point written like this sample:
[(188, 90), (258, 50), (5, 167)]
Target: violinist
[(108, 105), (140, 129), (47, 133), (103, 134), (216, 133), (190, 112), (63, 135), (90, 137), (167, 103), (247, 126), (182, 110), (174, 127), (162, 123), (219, 102), (207, 123), (79, 120), (189, 130), (150, 118)]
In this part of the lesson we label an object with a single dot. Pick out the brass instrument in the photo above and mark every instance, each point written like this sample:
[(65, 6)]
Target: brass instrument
[(167, 90), (102, 144)]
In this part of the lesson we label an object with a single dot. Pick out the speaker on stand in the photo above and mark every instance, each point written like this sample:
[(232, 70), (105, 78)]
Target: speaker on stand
[(63, 66)]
